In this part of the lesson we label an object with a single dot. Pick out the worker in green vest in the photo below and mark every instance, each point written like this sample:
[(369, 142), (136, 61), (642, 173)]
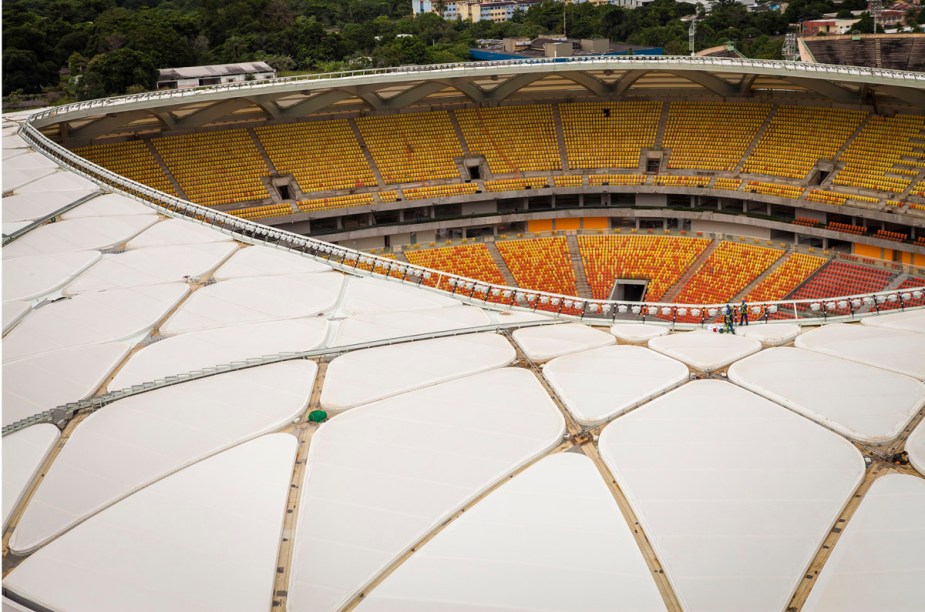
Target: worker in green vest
[(743, 313)]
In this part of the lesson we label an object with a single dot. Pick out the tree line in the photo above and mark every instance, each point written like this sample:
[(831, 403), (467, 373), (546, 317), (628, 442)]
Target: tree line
[(87, 49)]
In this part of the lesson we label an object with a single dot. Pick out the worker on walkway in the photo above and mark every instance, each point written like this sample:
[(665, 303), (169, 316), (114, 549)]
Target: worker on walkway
[(727, 319), (743, 313)]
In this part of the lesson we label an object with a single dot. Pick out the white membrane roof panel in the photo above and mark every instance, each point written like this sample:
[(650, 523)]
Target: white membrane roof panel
[(29, 278), (46, 381), (371, 327), (255, 300), (14, 142), (109, 205), (866, 404), (553, 525), (915, 446), (205, 538), (911, 320), (17, 178), (153, 266), (735, 493), (637, 333), (24, 452), (13, 313), (199, 350), (11, 606), (15, 226), (31, 206), (59, 181), (176, 231), (516, 316), (375, 295), (600, 384), (549, 341), (372, 374), (770, 334), (138, 440), (28, 161), (92, 318), (879, 561), (891, 349), (703, 350), (382, 476), (78, 235), (266, 261)]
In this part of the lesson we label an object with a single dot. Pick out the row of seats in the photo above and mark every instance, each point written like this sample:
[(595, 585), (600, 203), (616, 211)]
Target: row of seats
[(439, 191), (469, 260), (512, 138), (661, 260), (883, 146), (860, 230), (543, 264), (321, 155), (517, 184), (214, 168), (412, 147), (913, 282), (390, 195), (774, 189), (344, 201), (806, 221), (617, 179), (727, 184), (726, 272), (569, 180), (131, 159), (785, 277), (799, 136), (608, 134), (842, 278), (682, 181), (835, 198), (263, 212), (888, 235), (711, 135)]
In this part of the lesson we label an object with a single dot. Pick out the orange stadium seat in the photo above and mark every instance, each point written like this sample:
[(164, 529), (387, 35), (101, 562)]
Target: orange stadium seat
[(783, 279), (469, 260), (543, 264), (728, 270)]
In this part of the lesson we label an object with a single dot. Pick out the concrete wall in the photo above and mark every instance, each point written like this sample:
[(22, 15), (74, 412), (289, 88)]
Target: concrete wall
[(651, 199), (480, 208)]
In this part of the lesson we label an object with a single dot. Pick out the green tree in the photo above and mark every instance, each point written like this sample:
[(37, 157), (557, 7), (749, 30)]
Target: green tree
[(113, 73)]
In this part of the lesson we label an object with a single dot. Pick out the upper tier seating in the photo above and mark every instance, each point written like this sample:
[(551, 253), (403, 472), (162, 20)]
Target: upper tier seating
[(215, 167), (470, 260), (798, 136), (263, 212), (884, 146), (412, 147), (543, 264), (131, 159), (842, 278), (711, 135), (439, 191), (512, 138), (608, 134), (660, 259), (728, 270), (785, 277), (344, 201), (321, 155)]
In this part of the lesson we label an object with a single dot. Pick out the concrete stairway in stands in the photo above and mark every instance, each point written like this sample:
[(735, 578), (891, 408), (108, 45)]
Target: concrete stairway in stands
[(760, 278), (560, 136), (366, 153), (755, 140), (662, 123), (581, 279), (502, 265), (459, 133), (675, 289), (160, 162), (262, 151)]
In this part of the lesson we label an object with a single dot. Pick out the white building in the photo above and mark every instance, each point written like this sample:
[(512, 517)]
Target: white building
[(196, 76)]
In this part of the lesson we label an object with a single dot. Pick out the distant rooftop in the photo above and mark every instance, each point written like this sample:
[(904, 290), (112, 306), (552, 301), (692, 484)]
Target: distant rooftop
[(215, 70)]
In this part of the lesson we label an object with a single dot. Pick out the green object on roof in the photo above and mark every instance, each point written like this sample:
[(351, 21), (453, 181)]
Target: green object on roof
[(317, 416)]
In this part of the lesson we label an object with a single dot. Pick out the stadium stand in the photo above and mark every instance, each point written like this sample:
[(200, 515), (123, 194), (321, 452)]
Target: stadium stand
[(806, 221), (517, 184), (513, 139), (888, 235), (911, 282), (661, 260), (682, 181), (568, 181), (879, 149), (262, 212), (321, 155), (728, 270), (835, 198), (215, 168), (412, 147), (345, 201), (608, 134), (774, 189), (727, 184), (711, 135), (842, 278), (543, 264), (798, 136), (132, 159), (439, 191), (892, 51), (847, 228), (785, 278), (470, 260), (617, 179)]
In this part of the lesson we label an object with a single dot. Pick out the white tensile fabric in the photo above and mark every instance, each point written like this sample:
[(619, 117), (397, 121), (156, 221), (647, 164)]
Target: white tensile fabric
[(92, 318), (206, 538), (600, 384), (866, 404), (109, 205), (266, 261), (382, 476), (371, 327), (174, 232), (255, 300), (770, 335), (35, 205), (704, 350), (735, 493), (879, 561), (24, 452), (139, 440), (389, 370), (637, 333), (550, 341), (13, 313), (892, 349), (507, 552), (912, 320), (915, 446), (375, 295), (29, 278), (86, 234)]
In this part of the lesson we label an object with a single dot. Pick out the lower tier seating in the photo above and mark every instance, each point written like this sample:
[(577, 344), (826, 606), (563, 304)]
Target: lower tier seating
[(785, 278), (543, 264), (728, 270), (470, 260), (842, 278)]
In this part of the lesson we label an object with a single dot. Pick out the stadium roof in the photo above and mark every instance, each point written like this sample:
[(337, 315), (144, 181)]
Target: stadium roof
[(465, 465)]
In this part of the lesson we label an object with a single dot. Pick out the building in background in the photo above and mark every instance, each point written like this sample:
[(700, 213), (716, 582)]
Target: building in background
[(197, 76), (554, 46)]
